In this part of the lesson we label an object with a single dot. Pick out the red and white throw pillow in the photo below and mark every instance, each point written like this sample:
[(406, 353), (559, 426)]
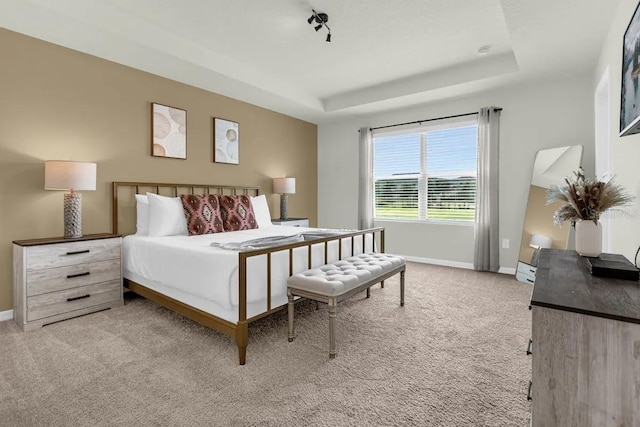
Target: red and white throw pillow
[(237, 213), (203, 213)]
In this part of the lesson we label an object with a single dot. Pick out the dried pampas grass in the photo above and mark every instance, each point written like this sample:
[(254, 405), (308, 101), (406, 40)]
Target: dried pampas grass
[(586, 199)]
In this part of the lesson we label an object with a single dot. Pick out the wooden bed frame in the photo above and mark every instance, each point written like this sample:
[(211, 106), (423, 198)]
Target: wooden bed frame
[(126, 207)]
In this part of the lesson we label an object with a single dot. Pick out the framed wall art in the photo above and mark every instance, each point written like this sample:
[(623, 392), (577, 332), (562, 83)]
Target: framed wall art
[(226, 141), (168, 131), (630, 94)]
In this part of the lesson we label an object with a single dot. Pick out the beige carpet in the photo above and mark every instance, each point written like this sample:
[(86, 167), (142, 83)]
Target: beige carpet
[(453, 356)]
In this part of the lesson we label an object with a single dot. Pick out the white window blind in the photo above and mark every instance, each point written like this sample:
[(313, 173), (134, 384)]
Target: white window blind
[(426, 173)]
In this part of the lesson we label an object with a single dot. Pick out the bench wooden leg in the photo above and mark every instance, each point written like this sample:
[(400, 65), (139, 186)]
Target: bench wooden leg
[(382, 284), (332, 328), (290, 307), (402, 288), (368, 292)]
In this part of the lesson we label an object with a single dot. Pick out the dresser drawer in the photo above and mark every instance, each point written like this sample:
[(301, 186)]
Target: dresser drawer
[(63, 254), (72, 276), (54, 303)]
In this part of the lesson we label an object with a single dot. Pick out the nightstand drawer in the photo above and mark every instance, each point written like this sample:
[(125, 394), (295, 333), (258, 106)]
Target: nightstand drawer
[(54, 303), (62, 254), (526, 273), (72, 276)]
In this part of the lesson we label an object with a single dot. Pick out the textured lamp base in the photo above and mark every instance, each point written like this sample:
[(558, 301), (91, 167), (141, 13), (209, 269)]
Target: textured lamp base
[(72, 215), (284, 211)]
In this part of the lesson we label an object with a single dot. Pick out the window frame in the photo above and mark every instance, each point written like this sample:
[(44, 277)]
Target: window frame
[(422, 176)]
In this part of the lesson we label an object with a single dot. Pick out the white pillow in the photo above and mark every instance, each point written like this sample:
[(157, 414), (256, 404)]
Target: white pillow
[(166, 216), (142, 215), (261, 210)]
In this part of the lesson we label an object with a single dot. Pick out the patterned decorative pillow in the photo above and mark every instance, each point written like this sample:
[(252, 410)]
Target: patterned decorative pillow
[(237, 213), (203, 213)]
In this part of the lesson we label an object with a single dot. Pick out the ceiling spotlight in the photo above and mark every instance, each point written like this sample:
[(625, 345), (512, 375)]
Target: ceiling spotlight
[(321, 19)]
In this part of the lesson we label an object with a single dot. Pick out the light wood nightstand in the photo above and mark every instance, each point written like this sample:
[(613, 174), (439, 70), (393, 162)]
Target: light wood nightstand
[(56, 278), (291, 222), (526, 272)]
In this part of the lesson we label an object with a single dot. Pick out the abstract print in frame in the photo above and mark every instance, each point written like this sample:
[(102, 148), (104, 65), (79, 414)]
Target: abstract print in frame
[(226, 136), (168, 131), (630, 93)]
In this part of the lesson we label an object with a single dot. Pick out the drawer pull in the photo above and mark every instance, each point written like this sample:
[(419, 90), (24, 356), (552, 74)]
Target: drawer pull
[(86, 251), (532, 271), (80, 297), (529, 280), (529, 347), (529, 392), (71, 276)]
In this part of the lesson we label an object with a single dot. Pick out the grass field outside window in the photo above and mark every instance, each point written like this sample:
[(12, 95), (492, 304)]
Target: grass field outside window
[(432, 214)]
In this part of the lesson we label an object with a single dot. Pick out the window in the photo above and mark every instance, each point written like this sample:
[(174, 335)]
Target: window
[(427, 173)]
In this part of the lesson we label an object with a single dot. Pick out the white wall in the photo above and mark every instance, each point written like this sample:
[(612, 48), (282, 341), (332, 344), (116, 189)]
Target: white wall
[(625, 151), (540, 115)]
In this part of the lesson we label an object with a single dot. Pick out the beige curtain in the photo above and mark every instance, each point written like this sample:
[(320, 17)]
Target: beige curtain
[(486, 233), (365, 189)]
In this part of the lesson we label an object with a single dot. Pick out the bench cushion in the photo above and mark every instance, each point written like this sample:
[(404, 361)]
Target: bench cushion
[(339, 277)]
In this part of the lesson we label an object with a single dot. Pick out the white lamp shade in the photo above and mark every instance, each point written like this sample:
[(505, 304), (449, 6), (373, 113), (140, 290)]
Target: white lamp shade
[(540, 241), (284, 185), (67, 175)]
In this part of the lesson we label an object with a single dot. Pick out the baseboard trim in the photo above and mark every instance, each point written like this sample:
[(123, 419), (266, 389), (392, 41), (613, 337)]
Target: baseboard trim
[(442, 262), (6, 315), (456, 264)]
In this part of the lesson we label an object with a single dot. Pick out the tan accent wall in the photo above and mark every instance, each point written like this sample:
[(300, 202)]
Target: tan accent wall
[(539, 220), (56, 103)]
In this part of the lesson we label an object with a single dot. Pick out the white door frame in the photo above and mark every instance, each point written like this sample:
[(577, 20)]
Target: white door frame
[(602, 105)]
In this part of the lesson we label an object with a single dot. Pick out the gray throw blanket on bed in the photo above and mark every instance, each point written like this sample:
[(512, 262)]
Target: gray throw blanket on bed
[(261, 243), (271, 241)]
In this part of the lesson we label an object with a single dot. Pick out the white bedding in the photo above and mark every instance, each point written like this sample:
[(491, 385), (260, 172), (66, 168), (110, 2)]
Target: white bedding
[(189, 269)]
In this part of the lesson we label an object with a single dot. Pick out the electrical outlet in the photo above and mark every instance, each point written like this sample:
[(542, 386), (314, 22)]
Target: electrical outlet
[(506, 243)]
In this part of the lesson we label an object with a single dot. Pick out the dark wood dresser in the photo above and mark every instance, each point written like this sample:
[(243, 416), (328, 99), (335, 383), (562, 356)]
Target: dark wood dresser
[(585, 345)]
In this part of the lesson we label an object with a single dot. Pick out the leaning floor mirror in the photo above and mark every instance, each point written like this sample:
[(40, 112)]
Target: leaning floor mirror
[(549, 167)]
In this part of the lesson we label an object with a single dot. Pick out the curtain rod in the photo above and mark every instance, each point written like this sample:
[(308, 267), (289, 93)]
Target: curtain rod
[(430, 120)]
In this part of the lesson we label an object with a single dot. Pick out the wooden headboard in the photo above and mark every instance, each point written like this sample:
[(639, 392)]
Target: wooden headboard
[(124, 203)]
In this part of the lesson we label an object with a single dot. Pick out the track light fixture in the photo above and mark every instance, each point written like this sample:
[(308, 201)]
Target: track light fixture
[(321, 19)]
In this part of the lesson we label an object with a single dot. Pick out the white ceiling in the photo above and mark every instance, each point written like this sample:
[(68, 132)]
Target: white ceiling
[(383, 54)]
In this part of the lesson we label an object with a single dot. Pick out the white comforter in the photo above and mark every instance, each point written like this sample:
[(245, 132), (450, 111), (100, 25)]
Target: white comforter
[(191, 265)]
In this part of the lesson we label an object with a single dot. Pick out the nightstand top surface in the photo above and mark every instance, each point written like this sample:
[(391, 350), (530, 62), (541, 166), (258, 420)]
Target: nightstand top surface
[(54, 240), (288, 219)]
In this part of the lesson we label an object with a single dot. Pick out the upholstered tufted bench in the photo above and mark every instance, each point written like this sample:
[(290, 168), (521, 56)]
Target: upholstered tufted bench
[(337, 281)]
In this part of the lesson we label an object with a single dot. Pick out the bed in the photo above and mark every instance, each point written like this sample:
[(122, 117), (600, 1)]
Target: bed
[(224, 280)]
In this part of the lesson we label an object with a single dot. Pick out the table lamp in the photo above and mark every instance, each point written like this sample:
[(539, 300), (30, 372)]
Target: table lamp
[(284, 186), (72, 176)]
